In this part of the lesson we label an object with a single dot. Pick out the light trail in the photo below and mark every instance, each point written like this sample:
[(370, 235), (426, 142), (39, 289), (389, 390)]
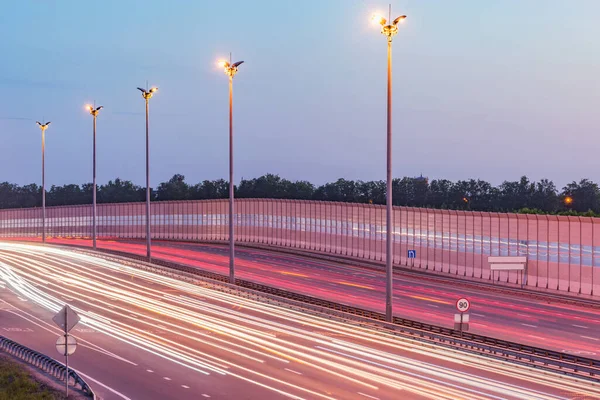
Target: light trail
[(213, 332)]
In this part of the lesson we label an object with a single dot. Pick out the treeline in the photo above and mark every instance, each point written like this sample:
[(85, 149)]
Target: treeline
[(525, 196)]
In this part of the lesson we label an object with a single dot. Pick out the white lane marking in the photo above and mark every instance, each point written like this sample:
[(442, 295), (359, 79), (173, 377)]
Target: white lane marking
[(523, 315), (295, 372), (580, 326), (591, 338), (22, 299), (149, 370), (537, 337), (531, 326), (433, 305), (479, 315), (205, 395), (166, 378), (478, 324), (185, 386), (366, 395), (121, 395)]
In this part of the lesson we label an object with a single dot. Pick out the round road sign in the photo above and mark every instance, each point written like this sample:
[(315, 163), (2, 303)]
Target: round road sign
[(66, 347), (463, 305)]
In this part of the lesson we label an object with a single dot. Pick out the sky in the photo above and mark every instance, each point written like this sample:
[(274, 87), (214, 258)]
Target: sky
[(481, 89)]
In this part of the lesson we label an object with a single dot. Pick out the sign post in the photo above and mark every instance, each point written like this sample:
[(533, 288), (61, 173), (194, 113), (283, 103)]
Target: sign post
[(462, 320), (66, 319)]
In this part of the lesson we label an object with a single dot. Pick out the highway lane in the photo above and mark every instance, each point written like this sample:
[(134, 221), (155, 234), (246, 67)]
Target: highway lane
[(149, 336), (569, 328)]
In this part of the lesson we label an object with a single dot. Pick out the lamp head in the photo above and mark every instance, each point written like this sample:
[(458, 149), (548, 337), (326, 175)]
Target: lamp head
[(400, 20), (378, 19)]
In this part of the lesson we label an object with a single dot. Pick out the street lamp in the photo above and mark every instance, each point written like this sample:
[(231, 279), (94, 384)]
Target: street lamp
[(147, 95), (568, 201), (43, 127), (231, 69), (389, 30), (94, 112)]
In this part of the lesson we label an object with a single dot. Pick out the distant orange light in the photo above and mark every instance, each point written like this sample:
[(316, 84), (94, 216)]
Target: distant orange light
[(465, 200), (568, 200)]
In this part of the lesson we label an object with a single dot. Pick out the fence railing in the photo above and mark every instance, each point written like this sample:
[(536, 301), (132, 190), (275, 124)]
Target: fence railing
[(563, 253), (46, 364)]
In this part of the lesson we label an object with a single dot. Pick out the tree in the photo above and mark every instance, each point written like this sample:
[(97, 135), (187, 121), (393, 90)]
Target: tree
[(545, 196), (439, 193), (218, 189), (119, 191), (174, 189), (585, 196), (516, 195)]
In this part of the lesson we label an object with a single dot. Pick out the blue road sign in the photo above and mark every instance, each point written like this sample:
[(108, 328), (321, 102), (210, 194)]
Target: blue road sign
[(412, 254)]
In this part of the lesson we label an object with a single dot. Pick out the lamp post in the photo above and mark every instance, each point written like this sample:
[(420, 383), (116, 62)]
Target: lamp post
[(389, 30), (94, 112), (43, 127), (230, 70), (147, 95)]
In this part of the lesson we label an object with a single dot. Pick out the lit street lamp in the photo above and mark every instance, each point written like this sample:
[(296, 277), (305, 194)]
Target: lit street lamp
[(568, 200), (147, 95), (231, 70), (43, 127), (94, 112), (389, 30)]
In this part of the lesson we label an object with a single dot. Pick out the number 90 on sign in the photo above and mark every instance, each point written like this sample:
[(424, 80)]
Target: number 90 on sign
[(463, 305)]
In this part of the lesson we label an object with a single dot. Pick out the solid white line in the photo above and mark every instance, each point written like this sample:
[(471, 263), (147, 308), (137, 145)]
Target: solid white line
[(531, 326), (166, 378), (149, 370), (366, 395), (102, 384), (185, 387), (22, 299), (479, 315), (580, 326), (591, 338), (433, 305), (295, 372), (205, 395)]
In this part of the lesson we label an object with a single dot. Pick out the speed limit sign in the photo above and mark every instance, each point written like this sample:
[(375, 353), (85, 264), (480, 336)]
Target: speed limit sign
[(463, 305)]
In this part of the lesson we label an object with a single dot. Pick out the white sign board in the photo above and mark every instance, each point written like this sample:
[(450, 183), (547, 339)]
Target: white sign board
[(66, 346), (463, 305), (66, 318)]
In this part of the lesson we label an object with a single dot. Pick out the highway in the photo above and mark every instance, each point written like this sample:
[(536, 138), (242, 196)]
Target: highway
[(146, 336), (563, 327)]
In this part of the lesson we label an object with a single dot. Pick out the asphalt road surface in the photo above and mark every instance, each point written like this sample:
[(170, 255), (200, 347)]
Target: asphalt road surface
[(563, 327), (145, 336)]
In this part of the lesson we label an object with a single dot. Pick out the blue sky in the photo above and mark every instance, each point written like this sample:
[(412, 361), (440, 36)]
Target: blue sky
[(482, 89)]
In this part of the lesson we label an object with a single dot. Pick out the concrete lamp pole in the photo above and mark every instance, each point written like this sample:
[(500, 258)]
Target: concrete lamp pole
[(389, 30), (43, 127), (94, 112), (147, 95), (230, 70)]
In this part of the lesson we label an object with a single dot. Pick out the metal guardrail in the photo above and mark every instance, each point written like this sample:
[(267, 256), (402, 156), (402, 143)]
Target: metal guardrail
[(45, 363), (531, 356)]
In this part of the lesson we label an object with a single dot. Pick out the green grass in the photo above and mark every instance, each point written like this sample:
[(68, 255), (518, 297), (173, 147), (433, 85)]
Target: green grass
[(17, 384)]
